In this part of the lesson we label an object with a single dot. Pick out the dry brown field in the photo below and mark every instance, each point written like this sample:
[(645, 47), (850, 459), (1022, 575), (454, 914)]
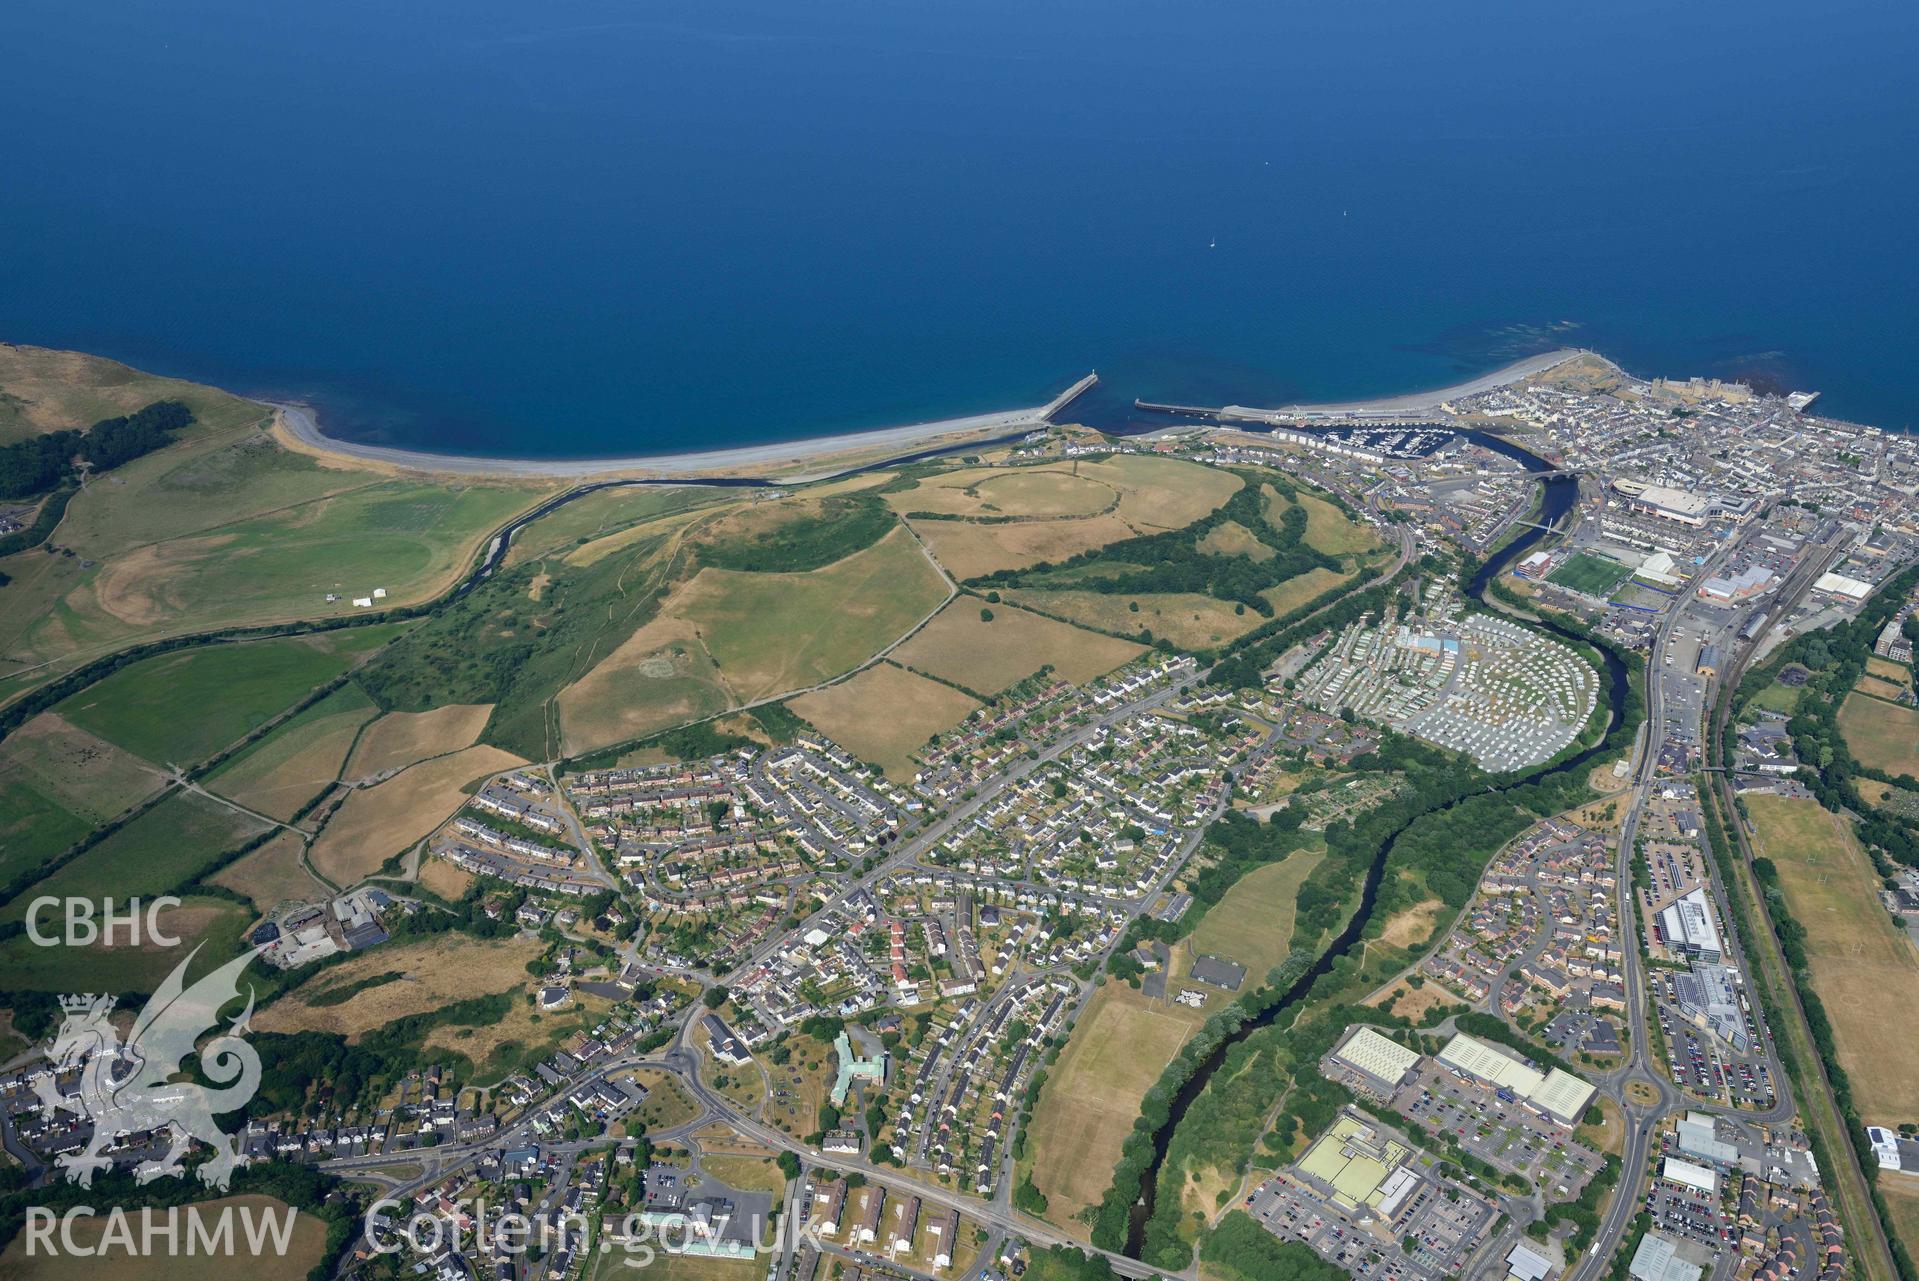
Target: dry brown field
[(660, 676), (1253, 923), (399, 739), (1189, 620), (1162, 493), (436, 972), (497, 1049), (287, 768), (969, 549), (989, 656), (444, 879), (1233, 539), (1043, 492), (1604, 778), (1902, 1198), (1887, 670), (82, 771), (1412, 927), (1301, 589), (885, 714), (775, 633), (306, 1243), (852, 484), (1878, 688), (377, 822), (1123, 1041), (1865, 969), (1881, 735), (271, 874), (49, 390), (1329, 530), (1413, 1002)]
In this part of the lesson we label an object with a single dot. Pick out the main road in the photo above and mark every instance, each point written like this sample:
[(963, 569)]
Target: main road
[(680, 1058), (1847, 1180), (1641, 1120)]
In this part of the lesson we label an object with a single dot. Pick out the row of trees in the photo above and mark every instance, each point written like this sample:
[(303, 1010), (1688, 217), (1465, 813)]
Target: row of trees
[(1791, 936), (41, 463), (1431, 839), (1835, 660)]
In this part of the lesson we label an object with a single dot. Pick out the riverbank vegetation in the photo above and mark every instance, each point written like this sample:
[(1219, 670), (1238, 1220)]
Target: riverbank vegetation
[(1431, 841)]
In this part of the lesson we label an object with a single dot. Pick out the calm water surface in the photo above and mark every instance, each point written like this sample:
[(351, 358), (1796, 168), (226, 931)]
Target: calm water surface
[(587, 226)]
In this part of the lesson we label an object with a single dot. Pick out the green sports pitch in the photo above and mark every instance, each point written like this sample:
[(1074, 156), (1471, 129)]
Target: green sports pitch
[(1590, 574)]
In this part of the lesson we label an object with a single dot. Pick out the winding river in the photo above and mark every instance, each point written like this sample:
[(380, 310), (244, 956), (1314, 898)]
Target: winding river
[(1559, 496)]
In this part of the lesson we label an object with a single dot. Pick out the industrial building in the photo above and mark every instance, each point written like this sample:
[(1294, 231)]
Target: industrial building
[(1689, 1174), (1657, 1259), (1385, 1062), (1688, 927), (1725, 588), (1360, 1167), (1842, 585), (1557, 1094), (1699, 1138), (1525, 1263), (1706, 995)]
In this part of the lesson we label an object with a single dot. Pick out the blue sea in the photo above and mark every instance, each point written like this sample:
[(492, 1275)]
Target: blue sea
[(580, 227)]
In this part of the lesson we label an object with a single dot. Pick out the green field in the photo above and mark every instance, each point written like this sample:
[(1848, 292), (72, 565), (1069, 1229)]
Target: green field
[(1253, 923), (284, 770), (612, 1266), (57, 782), (160, 850), (222, 527), (33, 826), (1589, 574), (182, 708), (409, 537), (216, 923), (1778, 697), (1882, 735)]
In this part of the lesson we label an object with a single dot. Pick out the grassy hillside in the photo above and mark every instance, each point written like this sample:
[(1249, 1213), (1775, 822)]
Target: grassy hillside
[(222, 527)]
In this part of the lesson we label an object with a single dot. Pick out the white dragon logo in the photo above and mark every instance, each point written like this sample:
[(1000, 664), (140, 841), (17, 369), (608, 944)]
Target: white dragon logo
[(128, 1088)]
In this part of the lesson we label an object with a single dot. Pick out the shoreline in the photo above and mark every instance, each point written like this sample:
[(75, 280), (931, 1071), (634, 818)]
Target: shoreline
[(1421, 401), (297, 427)]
